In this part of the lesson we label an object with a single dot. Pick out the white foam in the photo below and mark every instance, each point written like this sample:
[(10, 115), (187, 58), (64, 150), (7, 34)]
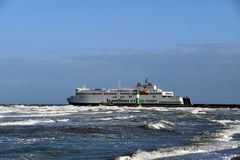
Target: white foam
[(105, 119), (231, 127), (223, 140), (116, 118), (53, 111), (178, 151), (26, 122), (162, 153), (100, 112), (32, 122), (161, 109), (62, 120), (227, 134), (124, 117), (194, 110), (39, 111), (26, 140), (198, 111), (160, 125), (226, 122)]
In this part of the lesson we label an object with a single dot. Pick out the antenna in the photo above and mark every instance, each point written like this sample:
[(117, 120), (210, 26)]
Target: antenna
[(119, 84), (146, 81)]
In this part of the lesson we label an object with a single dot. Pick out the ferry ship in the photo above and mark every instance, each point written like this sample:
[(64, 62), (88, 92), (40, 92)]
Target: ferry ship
[(147, 94)]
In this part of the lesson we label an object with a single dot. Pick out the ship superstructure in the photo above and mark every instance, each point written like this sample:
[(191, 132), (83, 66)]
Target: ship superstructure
[(142, 94)]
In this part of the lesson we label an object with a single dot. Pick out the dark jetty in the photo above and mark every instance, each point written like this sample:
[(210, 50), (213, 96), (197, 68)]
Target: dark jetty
[(207, 105), (216, 105)]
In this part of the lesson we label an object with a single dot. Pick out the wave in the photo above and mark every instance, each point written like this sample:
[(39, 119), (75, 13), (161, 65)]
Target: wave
[(115, 118), (194, 110), (33, 122), (162, 153), (226, 121), (62, 120), (160, 109), (177, 151), (232, 127), (227, 134), (223, 140), (99, 112), (160, 125), (37, 111), (18, 140), (105, 119), (198, 111)]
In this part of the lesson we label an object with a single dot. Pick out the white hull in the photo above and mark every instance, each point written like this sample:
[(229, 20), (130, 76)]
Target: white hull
[(144, 99)]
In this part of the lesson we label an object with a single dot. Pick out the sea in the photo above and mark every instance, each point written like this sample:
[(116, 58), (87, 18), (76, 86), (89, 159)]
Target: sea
[(67, 132)]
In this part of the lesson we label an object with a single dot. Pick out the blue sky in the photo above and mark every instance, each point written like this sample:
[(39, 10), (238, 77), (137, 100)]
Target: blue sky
[(47, 48)]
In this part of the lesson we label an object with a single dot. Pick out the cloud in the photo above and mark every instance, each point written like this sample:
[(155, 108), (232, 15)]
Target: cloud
[(210, 48)]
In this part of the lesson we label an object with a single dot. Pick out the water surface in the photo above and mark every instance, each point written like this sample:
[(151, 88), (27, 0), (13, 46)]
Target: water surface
[(112, 132)]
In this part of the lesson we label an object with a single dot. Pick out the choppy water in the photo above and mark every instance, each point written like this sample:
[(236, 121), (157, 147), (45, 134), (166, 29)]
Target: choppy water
[(124, 133)]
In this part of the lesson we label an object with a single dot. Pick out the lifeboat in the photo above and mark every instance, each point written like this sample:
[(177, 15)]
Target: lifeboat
[(144, 91)]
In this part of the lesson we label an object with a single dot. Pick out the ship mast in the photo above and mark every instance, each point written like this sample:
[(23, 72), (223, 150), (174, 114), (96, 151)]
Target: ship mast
[(146, 81), (119, 84)]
